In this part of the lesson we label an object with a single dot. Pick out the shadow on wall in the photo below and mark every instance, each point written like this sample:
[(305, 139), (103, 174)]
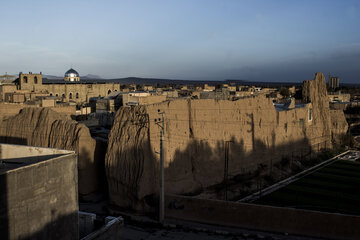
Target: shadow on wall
[(58, 228), (91, 170), (99, 162), (201, 165), (13, 140), (33, 203), (132, 181), (46, 128), (133, 173), (4, 211)]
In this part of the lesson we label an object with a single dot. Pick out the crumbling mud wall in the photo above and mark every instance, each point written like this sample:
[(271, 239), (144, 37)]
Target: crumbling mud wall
[(197, 135), (44, 127), (339, 126), (315, 92), (11, 109), (133, 177)]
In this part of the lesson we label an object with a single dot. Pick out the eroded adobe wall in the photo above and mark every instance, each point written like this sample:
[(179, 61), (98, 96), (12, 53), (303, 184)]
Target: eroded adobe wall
[(44, 127), (12, 109), (339, 126), (196, 136), (314, 91), (196, 132), (133, 177)]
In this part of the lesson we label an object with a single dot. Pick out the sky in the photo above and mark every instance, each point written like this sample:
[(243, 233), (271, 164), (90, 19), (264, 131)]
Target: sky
[(255, 40)]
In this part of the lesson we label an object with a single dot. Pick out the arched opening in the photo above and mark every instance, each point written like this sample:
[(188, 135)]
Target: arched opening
[(109, 91), (50, 94), (57, 94), (70, 95), (25, 79), (35, 80), (63, 95), (77, 95)]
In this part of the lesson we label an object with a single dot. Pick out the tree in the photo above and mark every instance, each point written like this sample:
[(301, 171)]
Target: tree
[(285, 92)]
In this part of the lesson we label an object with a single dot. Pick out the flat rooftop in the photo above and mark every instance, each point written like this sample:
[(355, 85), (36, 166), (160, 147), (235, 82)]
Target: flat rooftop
[(333, 188), (16, 156), (285, 106)]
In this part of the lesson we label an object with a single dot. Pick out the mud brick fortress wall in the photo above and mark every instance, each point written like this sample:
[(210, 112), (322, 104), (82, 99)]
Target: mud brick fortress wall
[(197, 133)]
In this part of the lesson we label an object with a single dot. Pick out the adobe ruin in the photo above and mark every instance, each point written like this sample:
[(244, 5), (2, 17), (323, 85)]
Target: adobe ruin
[(197, 133)]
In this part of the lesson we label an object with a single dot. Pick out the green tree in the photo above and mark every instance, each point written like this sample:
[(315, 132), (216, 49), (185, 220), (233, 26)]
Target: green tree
[(285, 92)]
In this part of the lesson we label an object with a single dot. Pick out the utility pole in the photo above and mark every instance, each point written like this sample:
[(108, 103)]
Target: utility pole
[(226, 166), (161, 123)]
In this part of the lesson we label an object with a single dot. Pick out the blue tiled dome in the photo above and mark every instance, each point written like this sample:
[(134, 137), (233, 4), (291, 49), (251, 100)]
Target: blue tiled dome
[(71, 73)]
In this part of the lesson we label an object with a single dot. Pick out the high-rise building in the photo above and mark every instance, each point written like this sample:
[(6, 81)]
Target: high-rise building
[(333, 82)]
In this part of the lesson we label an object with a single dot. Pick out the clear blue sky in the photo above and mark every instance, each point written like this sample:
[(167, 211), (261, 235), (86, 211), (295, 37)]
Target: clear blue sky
[(189, 39)]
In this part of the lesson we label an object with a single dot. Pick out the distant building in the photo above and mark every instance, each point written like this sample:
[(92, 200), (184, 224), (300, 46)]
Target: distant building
[(7, 78), (72, 76), (141, 98), (148, 88), (219, 95), (339, 97), (30, 81), (333, 82), (208, 88), (6, 88), (69, 89)]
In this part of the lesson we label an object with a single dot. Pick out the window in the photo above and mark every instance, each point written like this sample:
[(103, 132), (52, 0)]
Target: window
[(57, 94), (35, 80), (50, 94), (70, 95), (25, 79), (77, 95), (109, 91), (310, 114), (301, 122), (63, 95)]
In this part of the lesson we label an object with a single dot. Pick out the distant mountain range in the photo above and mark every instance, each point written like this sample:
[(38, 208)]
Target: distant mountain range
[(89, 76), (154, 81)]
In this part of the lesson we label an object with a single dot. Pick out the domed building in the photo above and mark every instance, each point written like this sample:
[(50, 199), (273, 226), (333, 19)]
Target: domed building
[(72, 76)]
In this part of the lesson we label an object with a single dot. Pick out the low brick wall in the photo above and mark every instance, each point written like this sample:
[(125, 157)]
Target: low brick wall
[(265, 218)]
